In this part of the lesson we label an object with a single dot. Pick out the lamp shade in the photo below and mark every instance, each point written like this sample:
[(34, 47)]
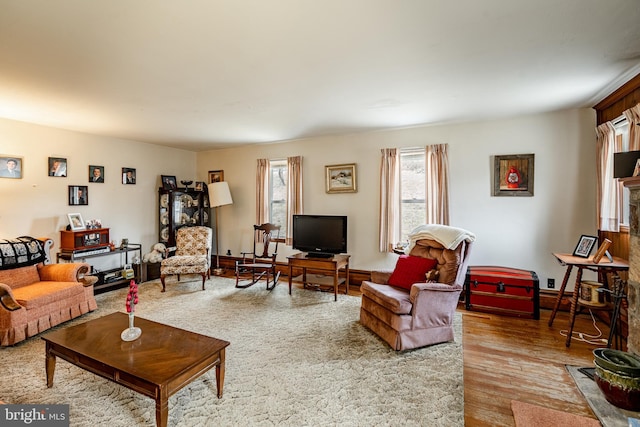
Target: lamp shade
[(219, 194)]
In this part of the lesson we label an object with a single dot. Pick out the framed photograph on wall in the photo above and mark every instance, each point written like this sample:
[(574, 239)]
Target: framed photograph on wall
[(585, 246), (128, 176), (96, 173), (11, 167), (75, 222), (216, 176), (341, 178), (57, 166), (78, 195), (513, 175), (169, 182)]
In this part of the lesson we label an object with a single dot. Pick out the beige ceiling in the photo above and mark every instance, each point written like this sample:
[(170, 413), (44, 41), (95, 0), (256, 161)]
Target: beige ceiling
[(202, 74)]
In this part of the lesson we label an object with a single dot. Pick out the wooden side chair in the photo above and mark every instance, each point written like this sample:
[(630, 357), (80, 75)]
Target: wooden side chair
[(262, 261)]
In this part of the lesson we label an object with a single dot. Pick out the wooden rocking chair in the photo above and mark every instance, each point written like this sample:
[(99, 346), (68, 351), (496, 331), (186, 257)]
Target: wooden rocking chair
[(260, 262)]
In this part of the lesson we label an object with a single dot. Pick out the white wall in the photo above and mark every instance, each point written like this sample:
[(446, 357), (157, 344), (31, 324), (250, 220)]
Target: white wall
[(519, 232), (37, 205), (512, 231)]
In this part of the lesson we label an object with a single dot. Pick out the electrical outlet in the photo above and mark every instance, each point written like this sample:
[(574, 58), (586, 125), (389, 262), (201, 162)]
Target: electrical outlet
[(551, 283)]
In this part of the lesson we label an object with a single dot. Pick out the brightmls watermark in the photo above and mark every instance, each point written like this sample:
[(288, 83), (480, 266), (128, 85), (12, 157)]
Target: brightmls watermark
[(34, 415)]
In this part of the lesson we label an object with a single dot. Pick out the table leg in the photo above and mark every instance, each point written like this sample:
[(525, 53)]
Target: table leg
[(336, 280), (220, 374), (50, 365), (574, 306), (290, 274), (346, 270), (560, 294), (162, 408)]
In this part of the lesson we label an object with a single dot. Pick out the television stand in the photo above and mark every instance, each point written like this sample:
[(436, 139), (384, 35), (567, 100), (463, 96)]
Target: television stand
[(334, 264)]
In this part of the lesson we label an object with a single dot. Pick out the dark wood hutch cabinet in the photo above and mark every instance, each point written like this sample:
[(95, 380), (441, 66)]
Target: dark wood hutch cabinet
[(181, 208)]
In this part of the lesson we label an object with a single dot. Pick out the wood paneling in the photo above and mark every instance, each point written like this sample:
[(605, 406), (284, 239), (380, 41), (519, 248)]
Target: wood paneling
[(621, 99)]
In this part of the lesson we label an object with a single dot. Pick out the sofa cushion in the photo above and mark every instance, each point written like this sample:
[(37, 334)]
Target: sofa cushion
[(43, 293), (409, 270), (19, 277)]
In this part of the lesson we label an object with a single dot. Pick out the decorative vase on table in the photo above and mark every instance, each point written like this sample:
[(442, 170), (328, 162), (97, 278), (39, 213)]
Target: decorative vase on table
[(131, 333)]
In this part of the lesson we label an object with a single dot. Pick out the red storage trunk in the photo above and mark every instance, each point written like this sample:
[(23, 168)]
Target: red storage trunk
[(503, 290)]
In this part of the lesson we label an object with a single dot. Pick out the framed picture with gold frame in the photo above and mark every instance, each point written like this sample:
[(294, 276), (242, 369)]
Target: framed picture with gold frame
[(341, 178), (216, 176)]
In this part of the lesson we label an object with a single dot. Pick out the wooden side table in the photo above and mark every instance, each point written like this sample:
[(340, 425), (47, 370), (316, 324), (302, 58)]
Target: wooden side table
[(333, 264), (618, 264)]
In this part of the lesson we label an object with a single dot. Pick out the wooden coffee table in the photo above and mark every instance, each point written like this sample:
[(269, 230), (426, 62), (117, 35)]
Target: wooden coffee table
[(158, 364)]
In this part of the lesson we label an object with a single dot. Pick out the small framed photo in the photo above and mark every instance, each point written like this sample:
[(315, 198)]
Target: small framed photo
[(341, 178), (96, 173), (169, 182), (128, 176), (57, 166), (513, 175), (11, 167), (585, 246), (200, 186), (78, 195), (75, 222), (216, 176)]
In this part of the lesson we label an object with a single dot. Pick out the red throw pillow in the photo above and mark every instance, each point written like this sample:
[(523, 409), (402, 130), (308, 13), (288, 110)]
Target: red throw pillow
[(409, 270)]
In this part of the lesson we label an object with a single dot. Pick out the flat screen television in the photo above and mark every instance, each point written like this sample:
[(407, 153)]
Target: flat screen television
[(322, 236)]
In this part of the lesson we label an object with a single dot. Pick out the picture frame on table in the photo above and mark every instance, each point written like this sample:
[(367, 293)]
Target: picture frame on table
[(513, 175), (169, 182), (11, 167), (75, 222), (78, 195), (585, 246), (216, 176), (341, 178)]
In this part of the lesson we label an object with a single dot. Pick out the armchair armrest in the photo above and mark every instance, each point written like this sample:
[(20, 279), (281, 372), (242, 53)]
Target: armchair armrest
[(380, 276), (71, 272), (7, 299), (434, 304)]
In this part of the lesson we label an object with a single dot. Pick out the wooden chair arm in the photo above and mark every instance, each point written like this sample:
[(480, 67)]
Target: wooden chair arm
[(6, 298)]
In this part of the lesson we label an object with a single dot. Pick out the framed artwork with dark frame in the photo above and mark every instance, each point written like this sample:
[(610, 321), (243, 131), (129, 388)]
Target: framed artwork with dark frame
[(216, 176), (96, 173), (78, 195), (513, 175), (341, 178), (169, 182), (201, 186), (75, 222), (128, 175), (585, 246), (57, 166), (11, 167)]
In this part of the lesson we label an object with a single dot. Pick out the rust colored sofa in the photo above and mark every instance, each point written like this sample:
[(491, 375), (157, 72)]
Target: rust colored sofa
[(34, 295)]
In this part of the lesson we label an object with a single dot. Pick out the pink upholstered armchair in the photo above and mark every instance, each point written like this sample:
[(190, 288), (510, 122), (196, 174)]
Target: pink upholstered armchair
[(423, 314)]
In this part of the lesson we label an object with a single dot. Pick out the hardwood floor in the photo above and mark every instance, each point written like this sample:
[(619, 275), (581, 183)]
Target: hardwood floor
[(508, 358)]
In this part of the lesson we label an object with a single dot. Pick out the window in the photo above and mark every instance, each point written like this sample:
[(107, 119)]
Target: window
[(622, 145), (413, 210), (278, 194)]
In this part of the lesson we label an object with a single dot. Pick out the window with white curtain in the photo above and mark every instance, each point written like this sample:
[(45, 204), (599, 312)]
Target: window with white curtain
[(621, 127), (278, 194), (413, 210)]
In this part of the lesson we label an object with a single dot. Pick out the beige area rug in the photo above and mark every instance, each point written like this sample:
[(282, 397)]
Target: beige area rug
[(528, 415), (300, 360)]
